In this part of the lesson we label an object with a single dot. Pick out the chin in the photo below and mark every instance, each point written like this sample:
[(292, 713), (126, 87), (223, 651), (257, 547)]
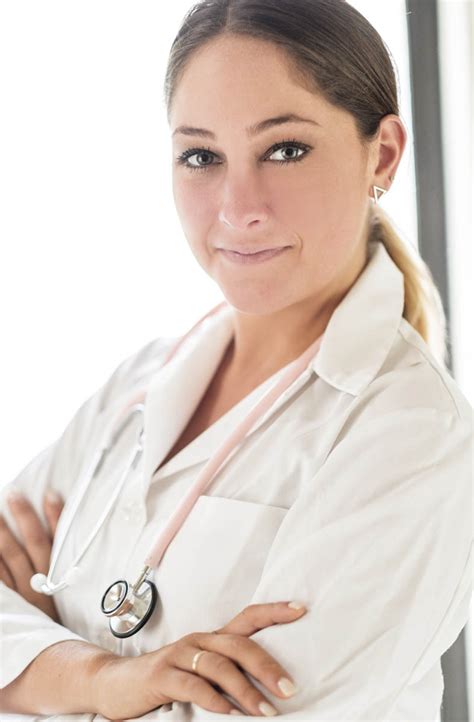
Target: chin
[(261, 301)]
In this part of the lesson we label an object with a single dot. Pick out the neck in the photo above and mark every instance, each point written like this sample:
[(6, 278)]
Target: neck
[(263, 344)]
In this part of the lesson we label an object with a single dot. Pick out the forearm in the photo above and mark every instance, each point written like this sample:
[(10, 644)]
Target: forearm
[(60, 680)]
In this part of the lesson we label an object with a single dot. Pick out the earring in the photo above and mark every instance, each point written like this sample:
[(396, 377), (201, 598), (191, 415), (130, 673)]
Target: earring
[(379, 192)]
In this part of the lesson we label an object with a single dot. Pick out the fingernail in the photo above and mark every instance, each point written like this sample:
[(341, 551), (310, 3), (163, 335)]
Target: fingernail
[(15, 497), (287, 687), (267, 709), (52, 497), (296, 605)]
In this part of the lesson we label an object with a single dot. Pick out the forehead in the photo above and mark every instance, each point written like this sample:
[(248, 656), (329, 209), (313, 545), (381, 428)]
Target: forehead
[(231, 71), (234, 82), (228, 54)]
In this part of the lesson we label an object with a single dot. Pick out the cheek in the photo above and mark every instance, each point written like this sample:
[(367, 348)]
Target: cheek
[(194, 206), (324, 208), (306, 197), (306, 207)]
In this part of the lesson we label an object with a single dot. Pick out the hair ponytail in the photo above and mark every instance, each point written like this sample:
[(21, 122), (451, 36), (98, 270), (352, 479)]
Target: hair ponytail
[(423, 307)]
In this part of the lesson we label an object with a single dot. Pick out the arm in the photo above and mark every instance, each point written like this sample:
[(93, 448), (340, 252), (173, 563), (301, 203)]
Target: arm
[(60, 680), (380, 550), (378, 547), (18, 562), (26, 631)]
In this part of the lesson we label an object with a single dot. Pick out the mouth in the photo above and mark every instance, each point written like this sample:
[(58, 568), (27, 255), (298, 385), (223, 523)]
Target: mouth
[(252, 257)]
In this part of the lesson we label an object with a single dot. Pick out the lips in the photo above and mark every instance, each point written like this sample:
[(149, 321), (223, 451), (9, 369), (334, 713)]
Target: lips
[(252, 258), (251, 251)]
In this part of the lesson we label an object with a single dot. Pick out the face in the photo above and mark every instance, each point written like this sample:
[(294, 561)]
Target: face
[(301, 186)]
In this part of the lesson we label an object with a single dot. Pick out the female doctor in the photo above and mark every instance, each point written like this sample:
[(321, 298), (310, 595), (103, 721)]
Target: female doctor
[(345, 482)]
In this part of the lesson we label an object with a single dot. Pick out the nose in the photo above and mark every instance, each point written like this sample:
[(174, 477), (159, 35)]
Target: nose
[(243, 201)]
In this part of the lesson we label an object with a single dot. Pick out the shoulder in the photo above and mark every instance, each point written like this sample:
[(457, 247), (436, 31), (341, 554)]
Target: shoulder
[(407, 439), (412, 413), (412, 378)]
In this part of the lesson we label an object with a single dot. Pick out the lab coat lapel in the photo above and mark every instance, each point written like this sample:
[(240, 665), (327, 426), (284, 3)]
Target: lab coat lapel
[(202, 447), (177, 388)]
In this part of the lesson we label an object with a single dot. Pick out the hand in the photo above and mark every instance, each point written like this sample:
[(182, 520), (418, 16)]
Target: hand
[(18, 563), (132, 686)]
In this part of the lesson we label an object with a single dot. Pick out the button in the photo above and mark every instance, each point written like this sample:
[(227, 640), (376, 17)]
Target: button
[(133, 512)]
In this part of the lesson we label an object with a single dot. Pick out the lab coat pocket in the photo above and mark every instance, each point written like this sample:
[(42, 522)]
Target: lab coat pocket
[(212, 567)]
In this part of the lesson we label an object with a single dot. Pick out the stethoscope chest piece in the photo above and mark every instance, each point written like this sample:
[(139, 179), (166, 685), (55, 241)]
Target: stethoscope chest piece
[(128, 606)]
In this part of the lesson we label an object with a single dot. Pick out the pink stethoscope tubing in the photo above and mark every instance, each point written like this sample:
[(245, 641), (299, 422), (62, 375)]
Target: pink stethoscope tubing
[(129, 607)]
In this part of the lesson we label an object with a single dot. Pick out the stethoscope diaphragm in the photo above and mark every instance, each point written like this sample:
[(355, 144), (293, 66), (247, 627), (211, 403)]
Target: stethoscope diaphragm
[(128, 607)]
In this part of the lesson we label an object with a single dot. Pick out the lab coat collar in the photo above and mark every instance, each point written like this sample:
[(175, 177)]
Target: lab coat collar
[(362, 328), (355, 344)]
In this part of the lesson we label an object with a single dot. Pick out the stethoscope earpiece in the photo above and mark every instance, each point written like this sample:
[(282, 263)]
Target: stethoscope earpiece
[(39, 583)]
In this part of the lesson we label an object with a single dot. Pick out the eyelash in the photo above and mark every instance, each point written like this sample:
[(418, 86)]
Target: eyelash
[(181, 159)]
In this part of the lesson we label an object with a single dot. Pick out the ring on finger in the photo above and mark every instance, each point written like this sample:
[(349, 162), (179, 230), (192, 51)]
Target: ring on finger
[(196, 659)]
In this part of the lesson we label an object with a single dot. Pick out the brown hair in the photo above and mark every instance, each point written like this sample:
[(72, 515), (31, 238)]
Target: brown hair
[(335, 52)]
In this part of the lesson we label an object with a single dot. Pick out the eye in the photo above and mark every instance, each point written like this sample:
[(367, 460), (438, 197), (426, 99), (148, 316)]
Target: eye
[(183, 159), (293, 144)]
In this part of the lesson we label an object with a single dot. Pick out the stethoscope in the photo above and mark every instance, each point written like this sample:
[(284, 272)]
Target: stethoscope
[(127, 606)]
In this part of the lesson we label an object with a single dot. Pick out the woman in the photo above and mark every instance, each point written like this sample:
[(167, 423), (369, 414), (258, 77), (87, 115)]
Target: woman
[(350, 493)]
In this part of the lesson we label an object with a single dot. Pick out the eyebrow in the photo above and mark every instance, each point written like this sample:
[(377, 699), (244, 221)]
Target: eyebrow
[(252, 130)]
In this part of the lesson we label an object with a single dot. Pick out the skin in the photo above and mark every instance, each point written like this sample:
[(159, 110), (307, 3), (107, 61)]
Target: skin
[(23, 557), (318, 206)]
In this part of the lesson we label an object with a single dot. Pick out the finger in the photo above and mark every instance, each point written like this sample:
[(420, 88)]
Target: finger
[(15, 558), (252, 658), (35, 537), (53, 506), (185, 687), (258, 616), (222, 671), (5, 575)]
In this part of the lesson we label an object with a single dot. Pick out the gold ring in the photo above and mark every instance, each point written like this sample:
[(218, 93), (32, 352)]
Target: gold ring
[(196, 658)]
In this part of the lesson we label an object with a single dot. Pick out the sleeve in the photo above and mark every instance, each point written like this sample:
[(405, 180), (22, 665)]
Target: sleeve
[(25, 630), (379, 548)]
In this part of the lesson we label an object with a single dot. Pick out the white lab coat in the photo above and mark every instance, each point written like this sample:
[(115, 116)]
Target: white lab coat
[(353, 493)]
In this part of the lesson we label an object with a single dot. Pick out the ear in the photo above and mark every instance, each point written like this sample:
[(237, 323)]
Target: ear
[(388, 149)]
